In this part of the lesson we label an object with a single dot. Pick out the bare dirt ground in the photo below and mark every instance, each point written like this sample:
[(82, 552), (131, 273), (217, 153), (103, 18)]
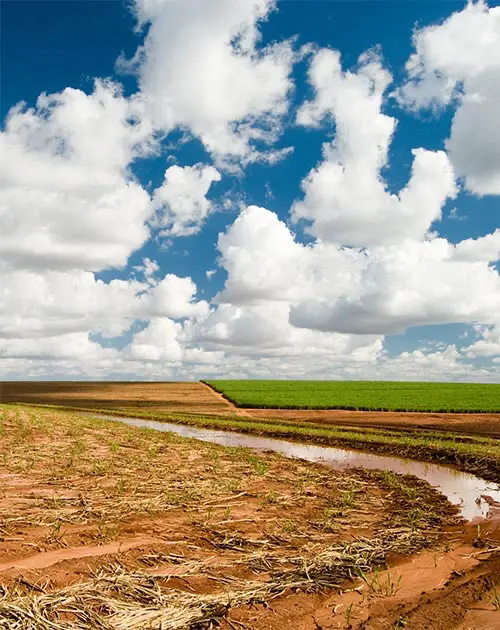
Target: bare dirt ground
[(107, 526), (487, 424), (185, 397), (199, 398), (454, 586)]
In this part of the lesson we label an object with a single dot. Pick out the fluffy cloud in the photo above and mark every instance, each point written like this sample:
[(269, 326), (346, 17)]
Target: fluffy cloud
[(412, 284), (349, 357), (485, 248), (346, 199), (70, 346), (459, 60), (438, 365), (171, 297), (384, 289), (64, 181), (488, 344), (266, 263), (261, 257), (200, 68), (149, 268), (66, 186), (50, 304), (180, 202), (157, 342), (265, 330)]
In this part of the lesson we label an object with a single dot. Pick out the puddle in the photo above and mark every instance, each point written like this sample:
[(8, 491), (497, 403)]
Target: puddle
[(461, 489)]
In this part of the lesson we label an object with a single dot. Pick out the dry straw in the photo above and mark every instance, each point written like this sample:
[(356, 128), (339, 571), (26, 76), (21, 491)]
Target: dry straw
[(120, 600)]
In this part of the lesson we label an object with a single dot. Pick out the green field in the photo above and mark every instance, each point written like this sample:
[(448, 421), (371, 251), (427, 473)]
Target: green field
[(361, 395)]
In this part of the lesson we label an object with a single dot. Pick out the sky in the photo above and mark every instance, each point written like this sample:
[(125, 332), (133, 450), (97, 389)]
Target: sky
[(299, 189)]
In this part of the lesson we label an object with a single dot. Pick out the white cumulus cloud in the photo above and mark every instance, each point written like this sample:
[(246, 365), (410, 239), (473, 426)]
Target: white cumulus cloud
[(346, 199), (180, 202), (378, 290), (458, 62), (65, 181), (488, 343), (200, 68)]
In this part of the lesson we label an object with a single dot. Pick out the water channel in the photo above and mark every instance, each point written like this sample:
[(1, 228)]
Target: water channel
[(462, 489)]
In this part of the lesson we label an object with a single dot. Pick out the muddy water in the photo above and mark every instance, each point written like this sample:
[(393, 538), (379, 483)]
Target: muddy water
[(461, 489)]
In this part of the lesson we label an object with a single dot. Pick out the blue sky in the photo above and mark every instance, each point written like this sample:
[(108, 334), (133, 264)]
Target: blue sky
[(232, 323)]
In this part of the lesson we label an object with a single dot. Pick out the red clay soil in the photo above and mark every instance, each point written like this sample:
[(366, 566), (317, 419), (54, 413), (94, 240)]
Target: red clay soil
[(487, 424), (451, 588), (79, 496)]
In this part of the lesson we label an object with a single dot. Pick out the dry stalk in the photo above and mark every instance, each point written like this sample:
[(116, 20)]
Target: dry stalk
[(120, 600)]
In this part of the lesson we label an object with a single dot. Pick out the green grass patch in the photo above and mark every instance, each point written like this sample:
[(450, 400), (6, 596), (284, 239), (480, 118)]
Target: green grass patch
[(362, 395)]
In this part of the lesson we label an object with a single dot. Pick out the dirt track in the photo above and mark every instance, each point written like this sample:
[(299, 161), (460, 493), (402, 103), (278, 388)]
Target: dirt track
[(199, 398)]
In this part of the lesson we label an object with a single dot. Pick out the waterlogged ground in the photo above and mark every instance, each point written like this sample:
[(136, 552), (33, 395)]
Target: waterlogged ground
[(108, 526), (475, 497)]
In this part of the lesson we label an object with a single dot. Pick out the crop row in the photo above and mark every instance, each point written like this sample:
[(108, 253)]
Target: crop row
[(362, 395)]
